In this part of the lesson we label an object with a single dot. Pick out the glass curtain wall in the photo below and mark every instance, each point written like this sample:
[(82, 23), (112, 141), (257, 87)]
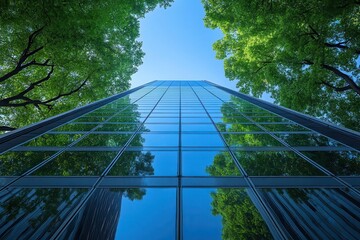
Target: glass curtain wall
[(180, 160)]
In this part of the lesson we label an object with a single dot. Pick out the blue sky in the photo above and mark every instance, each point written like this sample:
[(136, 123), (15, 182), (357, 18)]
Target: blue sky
[(179, 47)]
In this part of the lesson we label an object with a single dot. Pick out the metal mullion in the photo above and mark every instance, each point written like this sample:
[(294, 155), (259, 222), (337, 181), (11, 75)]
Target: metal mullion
[(252, 192), (71, 216), (293, 149), (179, 188)]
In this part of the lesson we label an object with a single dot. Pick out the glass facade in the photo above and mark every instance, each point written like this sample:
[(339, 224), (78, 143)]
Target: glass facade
[(180, 160)]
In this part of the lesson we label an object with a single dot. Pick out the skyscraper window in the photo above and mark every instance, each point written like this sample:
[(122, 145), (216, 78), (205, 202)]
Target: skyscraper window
[(180, 160)]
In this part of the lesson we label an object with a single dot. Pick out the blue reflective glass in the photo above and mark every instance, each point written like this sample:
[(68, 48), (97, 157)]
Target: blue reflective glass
[(224, 213), (146, 163), (126, 213), (201, 139), (156, 139), (208, 163)]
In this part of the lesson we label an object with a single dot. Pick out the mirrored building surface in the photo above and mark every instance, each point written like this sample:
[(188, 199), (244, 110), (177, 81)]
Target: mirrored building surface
[(180, 160)]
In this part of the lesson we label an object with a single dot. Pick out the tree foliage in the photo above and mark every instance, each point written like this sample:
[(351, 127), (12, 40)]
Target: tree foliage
[(56, 55), (305, 53)]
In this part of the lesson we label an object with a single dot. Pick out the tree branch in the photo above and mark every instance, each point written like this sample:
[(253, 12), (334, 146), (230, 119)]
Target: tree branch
[(351, 83), (337, 89), (36, 102), (24, 56), (344, 76)]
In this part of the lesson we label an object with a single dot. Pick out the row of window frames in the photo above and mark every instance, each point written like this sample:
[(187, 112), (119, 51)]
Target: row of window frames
[(187, 139), (177, 112), (175, 126), (194, 163), (196, 127), (168, 104), (183, 119)]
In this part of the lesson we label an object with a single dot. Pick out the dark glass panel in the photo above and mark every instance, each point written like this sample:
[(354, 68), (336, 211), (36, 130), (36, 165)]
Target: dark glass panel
[(201, 139), (146, 163), (36, 213), (155, 140), (53, 140), (131, 213), (224, 213), (308, 140), (77, 164), (208, 163), (341, 163), (16, 163), (315, 213), (269, 163), (251, 140), (106, 140)]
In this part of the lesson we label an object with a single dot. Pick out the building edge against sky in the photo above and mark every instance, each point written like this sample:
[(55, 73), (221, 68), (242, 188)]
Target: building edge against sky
[(200, 151)]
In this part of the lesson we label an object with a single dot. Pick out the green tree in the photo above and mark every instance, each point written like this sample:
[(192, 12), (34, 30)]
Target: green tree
[(57, 55), (305, 53)]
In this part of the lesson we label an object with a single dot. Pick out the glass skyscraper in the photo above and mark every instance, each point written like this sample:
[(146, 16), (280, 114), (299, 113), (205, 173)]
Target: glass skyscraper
[(180, 160)]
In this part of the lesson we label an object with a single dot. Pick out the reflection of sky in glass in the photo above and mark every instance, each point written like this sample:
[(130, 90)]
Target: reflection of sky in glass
[(153, 217), (198, 221)]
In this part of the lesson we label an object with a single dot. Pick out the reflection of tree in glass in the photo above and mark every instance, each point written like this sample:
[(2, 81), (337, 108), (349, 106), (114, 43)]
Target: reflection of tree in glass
[(223, 165), (240, 218), (343, 163), (35, 213), (16, 163)]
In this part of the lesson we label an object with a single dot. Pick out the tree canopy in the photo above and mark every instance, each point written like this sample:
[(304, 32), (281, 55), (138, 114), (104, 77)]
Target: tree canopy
[(304, 53), (56, 55)]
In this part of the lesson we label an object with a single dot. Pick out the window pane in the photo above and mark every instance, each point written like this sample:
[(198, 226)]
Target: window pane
[(251, 140), (77, 164), (341, 163), (198, 127), (53, 140), (156, 140), (275, 164), (224, 213), (106, 140), (308, 140), (16, 163), (146, 163), (210, 139), (209, 163), (132, 213)]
